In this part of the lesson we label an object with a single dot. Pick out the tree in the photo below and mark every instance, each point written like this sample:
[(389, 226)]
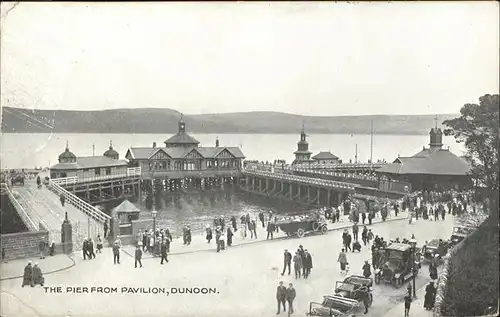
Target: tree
[(478, 128)]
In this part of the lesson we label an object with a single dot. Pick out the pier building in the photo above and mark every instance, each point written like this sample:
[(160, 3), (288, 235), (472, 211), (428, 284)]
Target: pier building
[(302, 155), (182, 157), (96, 179), (326, 158), (432, 168)]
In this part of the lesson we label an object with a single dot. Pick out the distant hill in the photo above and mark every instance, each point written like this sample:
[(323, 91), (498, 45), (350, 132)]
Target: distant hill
[(149, 120)]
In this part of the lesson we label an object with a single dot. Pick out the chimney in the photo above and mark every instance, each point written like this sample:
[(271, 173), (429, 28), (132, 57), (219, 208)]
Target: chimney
[(154, 145), (217, 142)]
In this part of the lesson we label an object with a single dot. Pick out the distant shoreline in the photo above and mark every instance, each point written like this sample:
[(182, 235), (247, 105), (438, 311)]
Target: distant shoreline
[(233, 133)]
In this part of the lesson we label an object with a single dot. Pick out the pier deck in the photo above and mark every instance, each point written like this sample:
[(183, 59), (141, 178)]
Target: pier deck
[(43, 206)]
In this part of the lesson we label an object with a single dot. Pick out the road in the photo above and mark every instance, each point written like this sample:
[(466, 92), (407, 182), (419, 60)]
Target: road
[(245, 278)]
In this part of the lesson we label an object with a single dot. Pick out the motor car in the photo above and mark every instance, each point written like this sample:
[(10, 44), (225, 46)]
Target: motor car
[(459, 233), (333, 306), (397, 264)]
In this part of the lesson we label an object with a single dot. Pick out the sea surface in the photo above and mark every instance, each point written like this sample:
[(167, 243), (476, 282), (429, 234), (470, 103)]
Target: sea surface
[(42, 150)]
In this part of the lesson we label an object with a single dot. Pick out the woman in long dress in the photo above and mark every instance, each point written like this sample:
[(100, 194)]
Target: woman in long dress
[(28, 275), (37, 275)]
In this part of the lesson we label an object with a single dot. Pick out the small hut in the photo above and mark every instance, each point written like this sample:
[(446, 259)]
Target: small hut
[(123, 215)]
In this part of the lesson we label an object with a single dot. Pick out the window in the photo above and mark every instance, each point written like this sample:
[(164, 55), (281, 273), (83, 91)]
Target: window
[(108, 170), (97, 172), (86, 169)]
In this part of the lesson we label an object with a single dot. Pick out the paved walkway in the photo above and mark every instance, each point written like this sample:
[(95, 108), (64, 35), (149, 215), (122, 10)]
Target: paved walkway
[(43, 206), (14, 269), (199, 243), (416, 309), (245, 279)]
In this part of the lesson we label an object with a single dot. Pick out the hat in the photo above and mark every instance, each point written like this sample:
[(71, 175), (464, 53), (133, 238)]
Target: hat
[(29, 262), (286, 250), (36, 263), (207, 226)]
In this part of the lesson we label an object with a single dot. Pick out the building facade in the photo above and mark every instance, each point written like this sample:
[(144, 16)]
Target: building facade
[(88, 167), (183, 157), (433, 168)]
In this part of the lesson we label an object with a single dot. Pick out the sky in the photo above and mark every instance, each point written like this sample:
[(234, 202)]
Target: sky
[(318, 59)]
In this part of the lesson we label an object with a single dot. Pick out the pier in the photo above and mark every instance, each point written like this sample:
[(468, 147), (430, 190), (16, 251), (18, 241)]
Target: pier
[(302, 189), (42, 208)]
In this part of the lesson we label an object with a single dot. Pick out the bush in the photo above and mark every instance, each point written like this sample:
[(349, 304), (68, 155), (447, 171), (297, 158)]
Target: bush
[(473, 274)]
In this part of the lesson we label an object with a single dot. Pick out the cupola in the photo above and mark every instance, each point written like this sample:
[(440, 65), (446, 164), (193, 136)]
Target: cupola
[(111, 153), (67, 156)]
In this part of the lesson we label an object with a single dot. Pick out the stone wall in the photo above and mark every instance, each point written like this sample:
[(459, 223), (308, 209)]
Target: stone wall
[(23, 244)]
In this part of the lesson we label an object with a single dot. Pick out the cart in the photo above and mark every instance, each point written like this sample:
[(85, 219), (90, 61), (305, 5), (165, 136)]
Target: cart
[(300, 224), (333, 306)]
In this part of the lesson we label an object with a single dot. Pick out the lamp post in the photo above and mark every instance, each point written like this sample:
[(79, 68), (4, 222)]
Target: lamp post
[(153, 214), (413, 243)]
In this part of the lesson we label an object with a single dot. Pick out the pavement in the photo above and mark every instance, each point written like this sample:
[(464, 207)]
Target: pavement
[(199, 242), (14, 269), (416, 309), (244, 279)]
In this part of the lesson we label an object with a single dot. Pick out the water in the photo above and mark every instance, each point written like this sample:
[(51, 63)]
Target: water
[(30, 150)]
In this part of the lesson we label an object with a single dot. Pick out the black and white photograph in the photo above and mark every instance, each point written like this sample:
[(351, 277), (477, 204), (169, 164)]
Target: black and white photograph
[(253, 159)]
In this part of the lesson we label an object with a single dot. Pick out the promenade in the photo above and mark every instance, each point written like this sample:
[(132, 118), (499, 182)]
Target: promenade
[(43, 206), (245, 278)]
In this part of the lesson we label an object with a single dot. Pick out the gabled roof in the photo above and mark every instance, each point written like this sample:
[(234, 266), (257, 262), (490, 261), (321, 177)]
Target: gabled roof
[(428, 161), (325, 156), (89, 162), (126, 206), (144, 153), (181, 138)]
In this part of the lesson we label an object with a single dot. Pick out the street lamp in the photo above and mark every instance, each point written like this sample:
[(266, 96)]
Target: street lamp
[(413, 243), (153, 214)]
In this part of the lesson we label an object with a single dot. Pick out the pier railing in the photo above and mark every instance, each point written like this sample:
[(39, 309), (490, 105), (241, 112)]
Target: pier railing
[(88, 209), (302, 179), (131, 172), (20, 210)]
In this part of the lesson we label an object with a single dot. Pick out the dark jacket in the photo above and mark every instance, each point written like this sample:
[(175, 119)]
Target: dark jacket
[(138, 253), (287, 257), (290, 293), (308, 264), (116, 249), (280, 292)]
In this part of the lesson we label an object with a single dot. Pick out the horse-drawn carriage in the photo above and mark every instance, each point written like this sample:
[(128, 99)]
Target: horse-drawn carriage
[(300, 224)]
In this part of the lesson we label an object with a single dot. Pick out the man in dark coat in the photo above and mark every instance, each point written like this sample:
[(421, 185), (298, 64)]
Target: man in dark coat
[(116, 252), (218, 234), (41, 247), (281, 297), (363, 217), (229, 236), (91, 249), (138, 256), (270, 230), (85, 248), (233, 223), (364, 235), (287, 261), (348, 240), (367, 270), (164, 251), (261, 218), (290, 296), (62, 198), (254, 229), (106, 230), (28, 275), (208, 233), (355, 230), (307, 262)]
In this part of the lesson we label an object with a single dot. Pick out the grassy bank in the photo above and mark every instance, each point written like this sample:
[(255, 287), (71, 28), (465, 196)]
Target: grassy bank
[(473, 274)]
